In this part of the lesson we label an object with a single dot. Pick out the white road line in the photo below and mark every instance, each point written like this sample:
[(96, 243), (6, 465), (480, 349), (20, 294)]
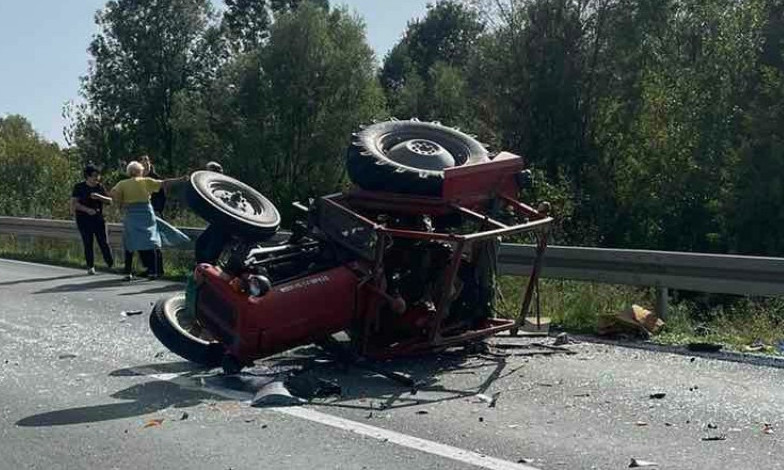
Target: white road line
[(422, 445), (381, 434)]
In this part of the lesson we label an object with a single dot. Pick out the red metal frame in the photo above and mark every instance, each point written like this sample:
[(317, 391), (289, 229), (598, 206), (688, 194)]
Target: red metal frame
[(467, 191), (302, 309)]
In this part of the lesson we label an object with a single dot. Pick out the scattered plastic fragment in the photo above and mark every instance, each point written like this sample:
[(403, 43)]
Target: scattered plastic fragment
[(275, 393), (561, 340), (641, 423), (657, 395), (490, 400), (767, 428), (720, 437), (131, 313), (635, 463), (153, 422)]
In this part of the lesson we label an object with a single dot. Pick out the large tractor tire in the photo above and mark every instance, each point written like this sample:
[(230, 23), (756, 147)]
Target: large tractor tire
[(409, 156)]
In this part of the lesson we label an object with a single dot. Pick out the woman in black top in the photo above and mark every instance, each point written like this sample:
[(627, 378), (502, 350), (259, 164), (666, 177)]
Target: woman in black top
[(89, 216)]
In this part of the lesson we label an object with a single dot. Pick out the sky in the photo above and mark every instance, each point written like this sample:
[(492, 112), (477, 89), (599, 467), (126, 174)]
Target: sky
[(43, 46)]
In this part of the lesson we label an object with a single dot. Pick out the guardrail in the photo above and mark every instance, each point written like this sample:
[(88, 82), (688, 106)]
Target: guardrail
[(726, 274), (65, 229)]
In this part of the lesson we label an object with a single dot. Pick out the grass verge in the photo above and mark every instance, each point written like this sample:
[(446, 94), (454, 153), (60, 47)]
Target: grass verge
[(69, 253), (740, 324)]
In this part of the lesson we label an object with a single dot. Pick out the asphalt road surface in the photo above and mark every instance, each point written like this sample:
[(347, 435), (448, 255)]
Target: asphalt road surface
[(82, 386)]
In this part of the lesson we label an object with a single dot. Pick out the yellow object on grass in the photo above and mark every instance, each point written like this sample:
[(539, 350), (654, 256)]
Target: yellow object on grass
[(134, 190)]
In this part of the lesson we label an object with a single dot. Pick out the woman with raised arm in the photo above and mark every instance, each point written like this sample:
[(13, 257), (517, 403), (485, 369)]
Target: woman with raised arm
[(140, 230)]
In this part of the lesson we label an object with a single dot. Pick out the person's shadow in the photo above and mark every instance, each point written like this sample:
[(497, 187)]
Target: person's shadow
[(145, 398)]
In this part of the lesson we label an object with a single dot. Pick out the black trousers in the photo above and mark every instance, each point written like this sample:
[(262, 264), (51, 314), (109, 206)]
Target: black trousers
[(149, 261), (94, 228)]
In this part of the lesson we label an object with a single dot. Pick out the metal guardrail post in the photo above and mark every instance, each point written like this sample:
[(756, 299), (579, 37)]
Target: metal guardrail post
[(662, 300)]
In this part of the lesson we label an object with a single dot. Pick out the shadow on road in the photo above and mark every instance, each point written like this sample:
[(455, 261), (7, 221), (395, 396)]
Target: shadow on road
[(84, 286), (111, 283), (40, 279), (145, 398), (157, 290)]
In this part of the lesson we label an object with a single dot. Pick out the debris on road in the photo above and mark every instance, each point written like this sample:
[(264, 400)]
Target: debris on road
[(528, 349), (635, 463), (327, 388), (720, 437), (312, 387), (712, 426), (759, 346), (131, 313), (153, 423), (704, 347), (184, 416), (275, 393), (640, 423), (524, 460), (767, 428), (67, 356), (657, 395), (490, 400), (634, 320), (562, 339), (422, 412)]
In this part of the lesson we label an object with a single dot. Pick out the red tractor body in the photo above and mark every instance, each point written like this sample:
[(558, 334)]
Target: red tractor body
[(297, 312), (401, 274)]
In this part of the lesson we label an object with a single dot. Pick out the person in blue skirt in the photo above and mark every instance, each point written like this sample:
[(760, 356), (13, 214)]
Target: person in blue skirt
[(141, 231)]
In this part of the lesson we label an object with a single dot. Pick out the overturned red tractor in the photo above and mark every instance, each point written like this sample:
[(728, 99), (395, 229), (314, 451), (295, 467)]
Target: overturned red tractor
[(405, 263)]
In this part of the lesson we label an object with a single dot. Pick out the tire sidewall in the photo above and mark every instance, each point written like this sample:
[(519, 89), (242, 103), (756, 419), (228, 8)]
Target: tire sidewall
[(214, 211), (170, 335), (370, 168)]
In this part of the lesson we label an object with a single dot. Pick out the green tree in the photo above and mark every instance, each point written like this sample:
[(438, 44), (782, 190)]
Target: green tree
[(281, 116), (36, 176), (424, 74), (146, 53)]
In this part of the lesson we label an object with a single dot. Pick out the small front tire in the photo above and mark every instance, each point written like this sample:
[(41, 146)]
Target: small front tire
[(182, 335)]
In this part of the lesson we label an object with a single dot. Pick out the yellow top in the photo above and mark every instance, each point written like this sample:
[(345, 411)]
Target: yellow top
[(133, 190)]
